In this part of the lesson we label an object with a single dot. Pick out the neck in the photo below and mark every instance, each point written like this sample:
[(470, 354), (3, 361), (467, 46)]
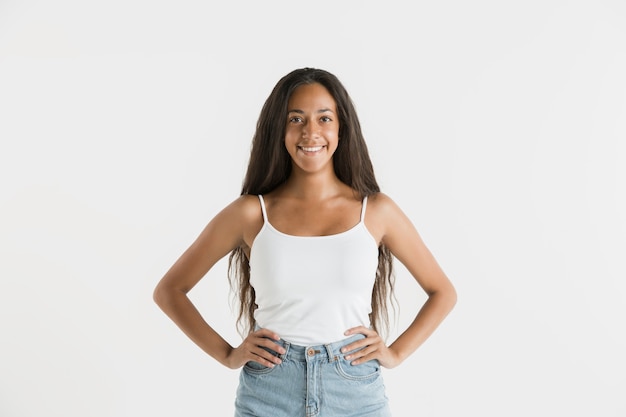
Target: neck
[(314, 186)]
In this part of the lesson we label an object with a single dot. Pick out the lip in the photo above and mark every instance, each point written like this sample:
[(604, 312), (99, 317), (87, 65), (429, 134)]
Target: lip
[(311, 149)]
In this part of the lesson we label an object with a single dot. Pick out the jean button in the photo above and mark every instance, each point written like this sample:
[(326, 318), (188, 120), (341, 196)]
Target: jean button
[(310, 352)]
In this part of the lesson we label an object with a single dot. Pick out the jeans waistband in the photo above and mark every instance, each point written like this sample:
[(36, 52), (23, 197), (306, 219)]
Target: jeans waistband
[(328, 351)]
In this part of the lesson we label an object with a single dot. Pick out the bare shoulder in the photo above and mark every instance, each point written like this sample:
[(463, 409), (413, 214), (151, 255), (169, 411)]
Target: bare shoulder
[(382, 212), (246, 211), (234, 226), (246, 207), (382, 207)]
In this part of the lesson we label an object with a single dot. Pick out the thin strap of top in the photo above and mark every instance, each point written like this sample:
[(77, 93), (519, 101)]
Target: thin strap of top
[(363, 209), (364, 206), (263, 209)]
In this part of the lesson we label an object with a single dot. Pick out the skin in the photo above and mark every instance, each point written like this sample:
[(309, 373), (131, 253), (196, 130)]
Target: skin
[(313, 202)]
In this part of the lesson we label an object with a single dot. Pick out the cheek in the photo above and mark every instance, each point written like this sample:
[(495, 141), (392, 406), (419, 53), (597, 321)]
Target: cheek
[(290, 138), (332, 134)]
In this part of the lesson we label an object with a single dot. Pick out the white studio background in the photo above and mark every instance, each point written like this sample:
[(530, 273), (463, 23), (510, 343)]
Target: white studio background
[(499, 128)]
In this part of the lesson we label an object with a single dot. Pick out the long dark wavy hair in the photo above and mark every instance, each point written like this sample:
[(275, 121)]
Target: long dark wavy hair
[(270, 166)]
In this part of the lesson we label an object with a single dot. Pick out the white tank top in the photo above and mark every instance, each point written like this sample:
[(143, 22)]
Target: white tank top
[(311, 289)]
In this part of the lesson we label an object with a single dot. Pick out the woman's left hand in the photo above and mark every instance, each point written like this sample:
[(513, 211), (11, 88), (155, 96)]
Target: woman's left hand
[(372, 347)]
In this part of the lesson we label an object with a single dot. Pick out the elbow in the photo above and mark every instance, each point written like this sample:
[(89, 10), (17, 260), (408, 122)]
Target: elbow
[(159, 296), (446, 296), (167, 296), (450, 296), (453, 297)]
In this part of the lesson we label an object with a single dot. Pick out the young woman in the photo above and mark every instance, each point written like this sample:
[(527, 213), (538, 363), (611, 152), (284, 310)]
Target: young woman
[(311, 242)]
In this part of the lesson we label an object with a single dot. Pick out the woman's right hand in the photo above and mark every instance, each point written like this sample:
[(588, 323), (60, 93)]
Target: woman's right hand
[(251, 349)]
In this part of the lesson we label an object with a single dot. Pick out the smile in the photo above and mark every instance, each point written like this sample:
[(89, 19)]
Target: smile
[(311, 148)]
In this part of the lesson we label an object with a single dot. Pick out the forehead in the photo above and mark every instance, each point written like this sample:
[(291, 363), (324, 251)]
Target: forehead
[(314, 96)]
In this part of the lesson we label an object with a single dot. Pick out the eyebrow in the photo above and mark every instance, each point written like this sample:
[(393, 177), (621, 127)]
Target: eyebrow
[(324, 110)]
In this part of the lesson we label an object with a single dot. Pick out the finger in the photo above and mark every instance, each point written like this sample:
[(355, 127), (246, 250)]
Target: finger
[(270, 344), (266, 337), (359, 330), (266, 358), (266, 333), (356, 345), (368, 341), (268, 362), (361, 353), (365, 355), (262, 352), (364, 359)]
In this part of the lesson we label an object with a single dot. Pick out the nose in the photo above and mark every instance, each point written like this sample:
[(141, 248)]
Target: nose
[(309, 130)]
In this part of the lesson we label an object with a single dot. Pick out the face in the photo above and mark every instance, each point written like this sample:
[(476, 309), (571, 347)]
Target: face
[(312, 132)]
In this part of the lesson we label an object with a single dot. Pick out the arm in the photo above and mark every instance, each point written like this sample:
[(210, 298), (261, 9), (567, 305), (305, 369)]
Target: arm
[(226, 231), (400, 236)]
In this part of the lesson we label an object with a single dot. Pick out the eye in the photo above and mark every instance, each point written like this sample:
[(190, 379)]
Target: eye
[(326, 119), (295, 119)]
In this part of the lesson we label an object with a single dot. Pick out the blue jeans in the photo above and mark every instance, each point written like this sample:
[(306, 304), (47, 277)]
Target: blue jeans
[(312, 381)]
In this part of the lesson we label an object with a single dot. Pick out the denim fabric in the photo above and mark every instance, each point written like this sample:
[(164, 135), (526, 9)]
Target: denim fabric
[(312, 381)]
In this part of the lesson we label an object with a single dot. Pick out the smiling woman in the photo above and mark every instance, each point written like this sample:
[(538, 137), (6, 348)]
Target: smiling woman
[(311, 243), (312, 129)]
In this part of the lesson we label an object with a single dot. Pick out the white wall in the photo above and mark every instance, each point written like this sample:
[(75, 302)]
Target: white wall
[(499, 127)]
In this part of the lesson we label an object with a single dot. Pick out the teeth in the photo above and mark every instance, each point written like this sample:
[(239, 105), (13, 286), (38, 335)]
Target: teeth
[(311, 149)]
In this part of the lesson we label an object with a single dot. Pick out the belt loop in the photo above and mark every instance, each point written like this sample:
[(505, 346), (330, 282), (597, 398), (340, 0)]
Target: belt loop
[(286, 345), (331, 355)]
